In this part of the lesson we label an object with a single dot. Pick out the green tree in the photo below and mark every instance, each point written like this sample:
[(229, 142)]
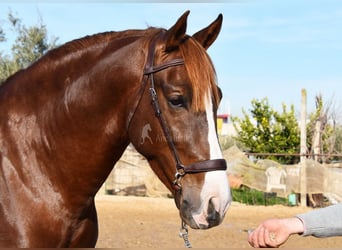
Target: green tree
[(30, 44), (268, 131), (286, 134)]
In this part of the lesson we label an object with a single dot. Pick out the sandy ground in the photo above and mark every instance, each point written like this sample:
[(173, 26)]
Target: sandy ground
[(127, 222)]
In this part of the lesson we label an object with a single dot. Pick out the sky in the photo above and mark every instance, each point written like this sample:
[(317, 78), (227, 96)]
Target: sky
[(266, 48)]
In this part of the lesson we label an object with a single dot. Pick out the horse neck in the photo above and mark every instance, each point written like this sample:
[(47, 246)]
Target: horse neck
[(79, 118)]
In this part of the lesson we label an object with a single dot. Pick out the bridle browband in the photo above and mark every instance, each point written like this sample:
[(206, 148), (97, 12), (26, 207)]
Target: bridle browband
[(181, 170)]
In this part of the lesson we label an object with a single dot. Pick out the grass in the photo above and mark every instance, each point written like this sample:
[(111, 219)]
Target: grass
[(249, 196)]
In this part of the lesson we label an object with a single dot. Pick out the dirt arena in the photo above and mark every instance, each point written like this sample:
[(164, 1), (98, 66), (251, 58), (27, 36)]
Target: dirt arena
[(127, 222)]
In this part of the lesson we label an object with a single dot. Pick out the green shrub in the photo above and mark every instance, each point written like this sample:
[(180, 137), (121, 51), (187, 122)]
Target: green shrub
[(249, 196)]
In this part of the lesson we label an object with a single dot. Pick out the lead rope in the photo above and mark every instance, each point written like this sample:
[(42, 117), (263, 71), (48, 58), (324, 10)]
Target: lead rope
[(183, 233)]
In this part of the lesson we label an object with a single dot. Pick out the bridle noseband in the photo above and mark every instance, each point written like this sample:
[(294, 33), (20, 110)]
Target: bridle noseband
[(181, 170)]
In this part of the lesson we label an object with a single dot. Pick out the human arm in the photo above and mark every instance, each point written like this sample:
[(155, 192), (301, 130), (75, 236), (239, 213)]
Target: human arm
[(324, 222)]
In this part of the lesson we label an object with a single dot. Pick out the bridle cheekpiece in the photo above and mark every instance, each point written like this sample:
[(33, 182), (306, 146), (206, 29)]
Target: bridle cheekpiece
[(181, 170)]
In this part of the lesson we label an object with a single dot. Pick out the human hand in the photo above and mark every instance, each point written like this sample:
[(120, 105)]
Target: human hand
[(275, 232)]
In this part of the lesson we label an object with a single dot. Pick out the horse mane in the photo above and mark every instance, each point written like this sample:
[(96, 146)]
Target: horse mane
[(81, 46), (201, 72), (84, 44)]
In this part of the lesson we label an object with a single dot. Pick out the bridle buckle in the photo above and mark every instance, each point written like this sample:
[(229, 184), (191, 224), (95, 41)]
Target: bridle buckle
[(180, 172)]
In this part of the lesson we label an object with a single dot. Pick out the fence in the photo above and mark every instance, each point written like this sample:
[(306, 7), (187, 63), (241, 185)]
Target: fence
[(270, 176), (133, 176)]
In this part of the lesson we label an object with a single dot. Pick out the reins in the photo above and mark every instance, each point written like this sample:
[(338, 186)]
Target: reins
[(181, 170)]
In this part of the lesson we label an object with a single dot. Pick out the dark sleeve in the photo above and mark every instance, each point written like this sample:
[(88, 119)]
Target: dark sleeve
[(324, 222)]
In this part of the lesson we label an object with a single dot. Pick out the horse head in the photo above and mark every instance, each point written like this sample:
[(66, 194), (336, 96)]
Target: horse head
[(184, 151)]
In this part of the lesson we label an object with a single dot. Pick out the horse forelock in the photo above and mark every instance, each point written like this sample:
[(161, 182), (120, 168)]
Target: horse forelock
[(201, 73)]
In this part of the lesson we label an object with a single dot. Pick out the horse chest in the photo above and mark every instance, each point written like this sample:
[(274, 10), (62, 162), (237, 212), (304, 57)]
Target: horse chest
[(35, 225)]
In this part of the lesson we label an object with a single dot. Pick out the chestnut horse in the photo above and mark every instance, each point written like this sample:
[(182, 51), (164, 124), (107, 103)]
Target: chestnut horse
[(67, 119)]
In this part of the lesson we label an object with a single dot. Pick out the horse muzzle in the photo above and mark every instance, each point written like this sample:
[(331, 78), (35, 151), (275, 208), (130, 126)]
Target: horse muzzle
[(205, 207)]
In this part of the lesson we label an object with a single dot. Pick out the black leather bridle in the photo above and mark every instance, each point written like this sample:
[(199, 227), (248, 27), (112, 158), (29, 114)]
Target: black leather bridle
[(181, 170)]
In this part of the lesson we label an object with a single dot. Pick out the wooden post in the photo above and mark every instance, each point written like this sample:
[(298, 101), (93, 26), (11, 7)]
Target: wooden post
[(303, 150)]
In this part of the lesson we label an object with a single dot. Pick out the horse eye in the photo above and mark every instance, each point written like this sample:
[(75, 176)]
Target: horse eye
[(177, 101)]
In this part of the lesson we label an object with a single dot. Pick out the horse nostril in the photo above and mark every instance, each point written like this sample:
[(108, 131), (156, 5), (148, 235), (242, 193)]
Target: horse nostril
[(213, 217)]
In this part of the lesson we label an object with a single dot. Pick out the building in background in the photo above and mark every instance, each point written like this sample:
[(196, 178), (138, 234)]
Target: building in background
[(225, 126)]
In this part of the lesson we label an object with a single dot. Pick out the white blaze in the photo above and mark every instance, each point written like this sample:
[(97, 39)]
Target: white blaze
[(215, 150), (215, 185)]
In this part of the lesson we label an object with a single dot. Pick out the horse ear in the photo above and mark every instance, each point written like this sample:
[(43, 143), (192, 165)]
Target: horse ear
[(176, 33), (208, 35)]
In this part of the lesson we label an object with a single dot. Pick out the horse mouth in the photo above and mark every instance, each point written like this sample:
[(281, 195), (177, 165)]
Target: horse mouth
[(209, 222), (203, 220)]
